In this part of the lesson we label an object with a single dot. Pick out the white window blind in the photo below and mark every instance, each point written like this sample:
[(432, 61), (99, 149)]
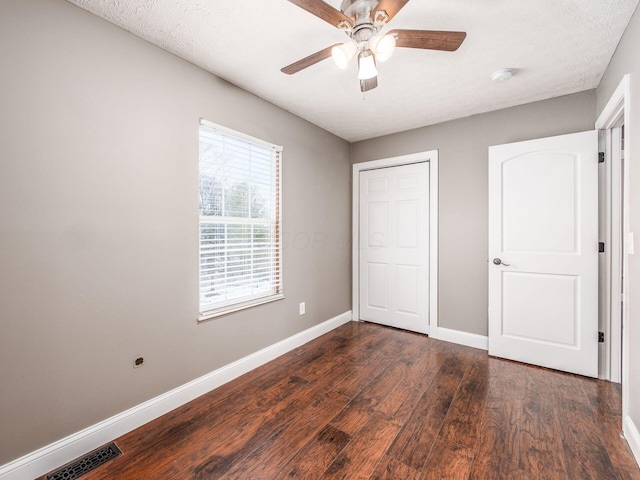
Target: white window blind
[(239, 221)]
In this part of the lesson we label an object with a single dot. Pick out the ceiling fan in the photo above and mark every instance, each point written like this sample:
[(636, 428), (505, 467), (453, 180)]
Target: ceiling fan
[(362, 21)]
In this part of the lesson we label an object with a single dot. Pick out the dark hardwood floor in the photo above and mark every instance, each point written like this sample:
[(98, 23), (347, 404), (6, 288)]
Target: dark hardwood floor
[(369, 402)]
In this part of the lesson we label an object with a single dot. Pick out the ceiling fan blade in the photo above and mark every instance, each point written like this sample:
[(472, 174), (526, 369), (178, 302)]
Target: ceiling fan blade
[(369, 84), (323, 11), (429, 39), (308, 61), (392, 7)]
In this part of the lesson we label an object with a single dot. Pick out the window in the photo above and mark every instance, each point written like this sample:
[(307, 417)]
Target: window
[(239, 221)]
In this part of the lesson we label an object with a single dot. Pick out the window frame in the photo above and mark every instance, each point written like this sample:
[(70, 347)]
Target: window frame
[(230, 306)]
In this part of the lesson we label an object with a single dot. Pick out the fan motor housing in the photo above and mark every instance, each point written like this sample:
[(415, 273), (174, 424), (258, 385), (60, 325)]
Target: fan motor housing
[(359, 10)]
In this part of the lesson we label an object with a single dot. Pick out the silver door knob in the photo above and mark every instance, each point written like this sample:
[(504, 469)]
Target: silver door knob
[(497, 261)]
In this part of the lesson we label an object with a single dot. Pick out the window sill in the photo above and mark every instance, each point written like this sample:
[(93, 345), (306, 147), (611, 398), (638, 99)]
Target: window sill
[(235, 308)]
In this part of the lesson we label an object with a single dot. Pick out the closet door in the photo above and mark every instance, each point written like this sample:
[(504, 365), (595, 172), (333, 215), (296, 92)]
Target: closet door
[(394, 246)]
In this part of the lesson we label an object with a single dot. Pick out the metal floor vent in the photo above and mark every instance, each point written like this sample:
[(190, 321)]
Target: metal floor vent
[(86, 464)]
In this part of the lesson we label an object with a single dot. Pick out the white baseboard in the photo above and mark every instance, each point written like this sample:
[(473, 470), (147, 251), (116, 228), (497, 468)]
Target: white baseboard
[(67, 449), (461, 338), (633, 437)]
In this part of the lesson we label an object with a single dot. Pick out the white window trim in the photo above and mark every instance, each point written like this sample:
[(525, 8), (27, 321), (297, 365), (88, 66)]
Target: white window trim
[(226, 309), (244, 136), (238, 306)]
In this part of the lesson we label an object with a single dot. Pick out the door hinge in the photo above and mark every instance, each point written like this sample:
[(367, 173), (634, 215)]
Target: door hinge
[(600, 157), (600, 247), (600, 337)]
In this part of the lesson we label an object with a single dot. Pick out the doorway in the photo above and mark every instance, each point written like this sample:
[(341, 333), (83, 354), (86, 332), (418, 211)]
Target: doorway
[(425, 290)]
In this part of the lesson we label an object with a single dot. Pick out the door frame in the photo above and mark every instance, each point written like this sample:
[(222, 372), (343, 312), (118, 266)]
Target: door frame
[(431, 157), (611, 225), (615, 113)]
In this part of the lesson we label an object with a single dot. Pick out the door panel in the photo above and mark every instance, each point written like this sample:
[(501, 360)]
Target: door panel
[(408, 224), (407, 289), (394, 246), (540, 307), (534, 222), (378, 285), (543, 226), (378, 225)]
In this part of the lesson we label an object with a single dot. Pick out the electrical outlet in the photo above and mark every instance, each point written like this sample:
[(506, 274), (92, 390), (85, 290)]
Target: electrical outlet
[(138, 362), (303, 308)]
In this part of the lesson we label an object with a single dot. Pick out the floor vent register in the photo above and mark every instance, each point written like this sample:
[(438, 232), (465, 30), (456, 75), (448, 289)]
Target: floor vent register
[(87, 463)]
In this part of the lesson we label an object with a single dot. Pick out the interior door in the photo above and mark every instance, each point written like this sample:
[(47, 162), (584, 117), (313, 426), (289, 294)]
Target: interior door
[(543, 252), (394, 246)]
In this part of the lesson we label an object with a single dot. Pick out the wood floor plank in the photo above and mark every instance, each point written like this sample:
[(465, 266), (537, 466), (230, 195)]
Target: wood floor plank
[(270, 457), (497, 453), (539, 433), (604, 397), (419, 433), (618, 449), (314, 458), (404, 398), (360, 457), (586, 456), (463, 418), (447, 460), (251, 429), (160, 441), (412, 407), (359, 377), (345, 373), (332, 347), (391, 469), (363, 406), (377, 356)]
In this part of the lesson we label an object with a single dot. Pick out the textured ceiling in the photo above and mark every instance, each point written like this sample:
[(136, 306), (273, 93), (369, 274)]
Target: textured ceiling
[(556, 47)]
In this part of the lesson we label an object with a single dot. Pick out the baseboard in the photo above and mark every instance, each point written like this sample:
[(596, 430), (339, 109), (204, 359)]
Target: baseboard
[(67, 449), (633, 437), (459, 337)]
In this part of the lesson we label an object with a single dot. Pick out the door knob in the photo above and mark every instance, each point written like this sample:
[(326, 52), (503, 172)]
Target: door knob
[(497, 261)]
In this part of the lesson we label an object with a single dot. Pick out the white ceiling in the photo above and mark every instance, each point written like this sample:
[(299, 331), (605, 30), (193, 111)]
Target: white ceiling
[(556, 47)]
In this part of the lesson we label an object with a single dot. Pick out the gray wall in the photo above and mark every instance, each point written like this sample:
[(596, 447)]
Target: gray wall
[(627, 60), (462, 189), (98, 222), (98, 217)]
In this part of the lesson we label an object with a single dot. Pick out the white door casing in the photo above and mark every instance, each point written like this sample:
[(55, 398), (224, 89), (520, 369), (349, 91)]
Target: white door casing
[(394, 246), (615, 113), (543, 227)]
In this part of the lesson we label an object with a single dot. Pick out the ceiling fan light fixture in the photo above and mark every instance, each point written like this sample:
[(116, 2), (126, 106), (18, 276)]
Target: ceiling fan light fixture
[(383, 46), (366, 65), (342, 54)]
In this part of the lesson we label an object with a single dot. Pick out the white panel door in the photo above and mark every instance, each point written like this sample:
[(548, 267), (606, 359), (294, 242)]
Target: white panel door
[(394, 246), (543, 252)]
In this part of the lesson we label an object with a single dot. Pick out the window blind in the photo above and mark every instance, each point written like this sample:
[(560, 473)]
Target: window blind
[(239, 211)]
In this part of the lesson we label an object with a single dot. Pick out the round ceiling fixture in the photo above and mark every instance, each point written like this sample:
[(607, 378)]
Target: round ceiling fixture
[(502, 75)]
